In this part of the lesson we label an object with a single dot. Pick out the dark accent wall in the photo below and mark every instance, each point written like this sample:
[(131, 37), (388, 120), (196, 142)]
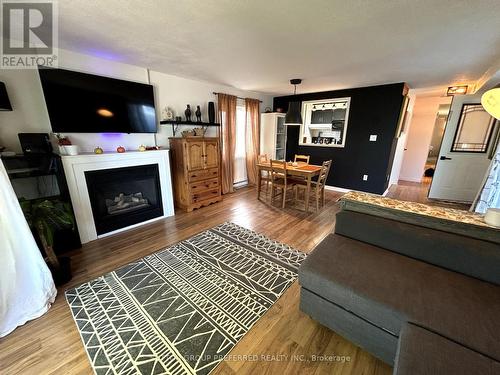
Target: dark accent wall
[(374, 110)]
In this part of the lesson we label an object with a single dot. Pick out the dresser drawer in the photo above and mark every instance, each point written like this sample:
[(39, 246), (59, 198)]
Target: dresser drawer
[(203, 174), (199, 197), (197, 187)]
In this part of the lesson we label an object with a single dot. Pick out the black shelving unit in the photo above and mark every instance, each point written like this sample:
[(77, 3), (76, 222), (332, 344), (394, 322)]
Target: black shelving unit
[(175, 124)]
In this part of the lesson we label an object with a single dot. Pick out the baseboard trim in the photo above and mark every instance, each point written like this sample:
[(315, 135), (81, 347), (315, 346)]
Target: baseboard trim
[(338, 189)]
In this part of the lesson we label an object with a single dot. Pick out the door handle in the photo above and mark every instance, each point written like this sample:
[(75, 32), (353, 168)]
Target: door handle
[(444, 158)]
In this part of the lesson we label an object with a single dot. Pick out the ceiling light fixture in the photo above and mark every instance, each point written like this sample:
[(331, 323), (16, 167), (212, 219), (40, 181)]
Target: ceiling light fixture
[(293, 115), (457, 90), (491, 102)]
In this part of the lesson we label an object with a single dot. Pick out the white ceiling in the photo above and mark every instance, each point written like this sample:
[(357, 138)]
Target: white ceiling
[(259, 45)]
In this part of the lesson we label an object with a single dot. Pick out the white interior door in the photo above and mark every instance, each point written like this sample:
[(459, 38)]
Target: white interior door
[(463, 156)]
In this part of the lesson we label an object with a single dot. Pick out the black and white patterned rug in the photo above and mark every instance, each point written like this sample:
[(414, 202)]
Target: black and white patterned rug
[(181, 310)]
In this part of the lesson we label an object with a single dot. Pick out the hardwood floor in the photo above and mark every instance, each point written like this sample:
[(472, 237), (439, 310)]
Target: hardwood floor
[(417, 192), (51, 344)]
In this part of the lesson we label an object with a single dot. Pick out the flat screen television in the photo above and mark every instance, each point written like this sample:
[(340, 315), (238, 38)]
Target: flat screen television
[(87, 103)]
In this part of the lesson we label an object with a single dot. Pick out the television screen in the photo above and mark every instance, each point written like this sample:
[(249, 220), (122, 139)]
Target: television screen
[(86, 103)]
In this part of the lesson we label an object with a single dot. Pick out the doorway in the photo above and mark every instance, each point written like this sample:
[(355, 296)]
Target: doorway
[(436, 140), (465, 151)]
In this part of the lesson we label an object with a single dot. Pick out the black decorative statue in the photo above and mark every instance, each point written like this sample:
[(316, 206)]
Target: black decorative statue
[(198, 113), (187, 112)]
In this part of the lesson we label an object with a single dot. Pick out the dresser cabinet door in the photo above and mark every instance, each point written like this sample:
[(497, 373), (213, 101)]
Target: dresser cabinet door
[(195, 156), (211, 154)]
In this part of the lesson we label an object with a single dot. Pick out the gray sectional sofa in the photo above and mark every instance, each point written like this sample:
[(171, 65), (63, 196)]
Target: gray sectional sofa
[(404, 288)]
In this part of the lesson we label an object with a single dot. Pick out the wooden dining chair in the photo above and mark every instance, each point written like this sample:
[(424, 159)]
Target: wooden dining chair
[(318, 187), (302, 158), (280, 181), (265, 176)]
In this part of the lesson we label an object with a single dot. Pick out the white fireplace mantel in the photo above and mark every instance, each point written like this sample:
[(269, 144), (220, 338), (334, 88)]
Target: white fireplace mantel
[(76, 166)]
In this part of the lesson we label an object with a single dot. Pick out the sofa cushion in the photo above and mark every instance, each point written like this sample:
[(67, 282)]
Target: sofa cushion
[(370, 337), (421, 352), (388, 289), (470, 256)]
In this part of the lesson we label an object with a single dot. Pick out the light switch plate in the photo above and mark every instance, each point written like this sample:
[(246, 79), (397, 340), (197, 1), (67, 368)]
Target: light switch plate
[(373, 137), (365, 177)]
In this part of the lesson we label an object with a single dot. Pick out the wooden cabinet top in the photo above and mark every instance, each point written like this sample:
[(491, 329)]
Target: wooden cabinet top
[(193, 139)]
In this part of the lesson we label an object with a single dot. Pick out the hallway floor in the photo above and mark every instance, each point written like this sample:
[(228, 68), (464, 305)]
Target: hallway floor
[(417, 192)]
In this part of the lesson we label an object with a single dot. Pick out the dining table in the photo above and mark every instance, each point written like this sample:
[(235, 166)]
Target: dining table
[(299, 169)]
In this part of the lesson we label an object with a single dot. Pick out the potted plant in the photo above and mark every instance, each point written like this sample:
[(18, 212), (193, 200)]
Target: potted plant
[(65, 145), (45, 217)]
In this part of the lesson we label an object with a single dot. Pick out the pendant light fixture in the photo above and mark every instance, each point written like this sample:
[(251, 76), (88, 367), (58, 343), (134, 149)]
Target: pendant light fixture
[(491, 102), (293, 115)]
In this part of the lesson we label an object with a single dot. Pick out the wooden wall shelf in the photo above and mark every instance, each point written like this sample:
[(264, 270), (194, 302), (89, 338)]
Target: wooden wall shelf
[(175, 124)]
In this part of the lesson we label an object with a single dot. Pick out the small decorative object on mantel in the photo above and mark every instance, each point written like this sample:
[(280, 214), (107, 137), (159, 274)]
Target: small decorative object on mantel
[(153, 148), (142, 148), (187, 112), (65, 146), (98, 150), (198, 113), (120, 149), (211, 112), (62, 140), (178, 118), (71, 150)]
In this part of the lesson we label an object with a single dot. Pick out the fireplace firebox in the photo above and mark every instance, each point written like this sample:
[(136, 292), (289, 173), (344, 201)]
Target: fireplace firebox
[(121, 197)]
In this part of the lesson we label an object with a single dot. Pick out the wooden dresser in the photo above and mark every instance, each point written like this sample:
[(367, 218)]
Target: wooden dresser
[(195, 171)]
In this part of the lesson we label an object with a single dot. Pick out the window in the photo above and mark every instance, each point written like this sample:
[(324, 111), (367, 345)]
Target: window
[(240, 168), (325, 122), (474, 129)]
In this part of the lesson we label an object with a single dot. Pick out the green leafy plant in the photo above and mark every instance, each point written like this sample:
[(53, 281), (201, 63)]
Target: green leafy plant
[(46, 217)]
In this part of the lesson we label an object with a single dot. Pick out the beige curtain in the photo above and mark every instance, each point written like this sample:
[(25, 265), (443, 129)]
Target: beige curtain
[(227, 134), (252, 142)]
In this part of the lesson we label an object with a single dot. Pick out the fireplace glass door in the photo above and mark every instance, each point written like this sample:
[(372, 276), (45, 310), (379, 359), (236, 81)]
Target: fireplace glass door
[(121, 197)]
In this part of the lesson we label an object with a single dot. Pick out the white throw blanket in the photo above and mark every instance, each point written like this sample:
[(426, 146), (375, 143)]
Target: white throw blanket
[(26, 286), (489, 196)]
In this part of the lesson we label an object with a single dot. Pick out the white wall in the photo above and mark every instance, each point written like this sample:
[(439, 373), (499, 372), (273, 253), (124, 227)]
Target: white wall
[(397, 163), (419, 136), (176, 92), (30, 113)]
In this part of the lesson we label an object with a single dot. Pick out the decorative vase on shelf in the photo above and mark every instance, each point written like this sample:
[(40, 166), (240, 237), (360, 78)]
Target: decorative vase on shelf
[(211, 112), (198, 113), (187, 112)]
